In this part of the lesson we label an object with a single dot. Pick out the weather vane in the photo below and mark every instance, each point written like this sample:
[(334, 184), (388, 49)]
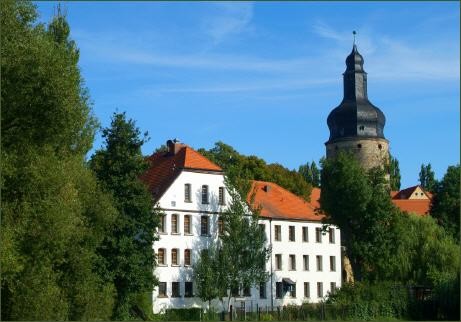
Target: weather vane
[(354, 33)]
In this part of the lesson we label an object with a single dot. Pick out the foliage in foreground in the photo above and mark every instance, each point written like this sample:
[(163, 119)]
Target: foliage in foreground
[(54, 213), (127, 249), (236, 259)]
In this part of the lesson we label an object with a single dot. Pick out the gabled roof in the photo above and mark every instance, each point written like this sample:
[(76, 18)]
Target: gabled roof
[(279, 203), (406, 193), (165, 167)]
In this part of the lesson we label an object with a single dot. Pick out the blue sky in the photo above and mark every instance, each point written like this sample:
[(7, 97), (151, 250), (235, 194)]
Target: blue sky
[(263, 76)]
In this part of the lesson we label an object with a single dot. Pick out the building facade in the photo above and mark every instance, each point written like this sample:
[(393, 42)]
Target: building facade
[(305, 262)]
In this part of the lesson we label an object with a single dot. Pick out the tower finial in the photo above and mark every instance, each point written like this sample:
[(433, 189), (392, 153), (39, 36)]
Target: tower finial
[(354, 33)]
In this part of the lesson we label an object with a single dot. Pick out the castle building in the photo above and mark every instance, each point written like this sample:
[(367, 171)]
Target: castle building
[(356, 125), (305, 264)]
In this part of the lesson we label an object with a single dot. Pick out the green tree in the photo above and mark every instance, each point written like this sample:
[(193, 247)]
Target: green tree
[(240, 169), (239, 255), (54, 214), (359, 204), (394, 173), (206, 275), (427, 178), (128, 249), (311, 173), (445, 205)]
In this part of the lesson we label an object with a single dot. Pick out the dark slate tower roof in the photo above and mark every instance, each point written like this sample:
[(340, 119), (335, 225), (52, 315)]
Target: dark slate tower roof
[(355, 117)]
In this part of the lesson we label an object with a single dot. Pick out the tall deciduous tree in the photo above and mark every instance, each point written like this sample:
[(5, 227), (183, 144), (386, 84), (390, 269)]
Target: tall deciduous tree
[(360, 205), (238, 257), (54, 214), (128, 249), (427, 178), (445, 206), (394, 173)]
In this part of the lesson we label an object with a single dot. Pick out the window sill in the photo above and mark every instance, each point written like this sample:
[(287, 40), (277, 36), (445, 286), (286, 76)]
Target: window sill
[(188, 296), (188, 201), (187, 265), (176, 234), (188, 234), (205, 235), (175, 265), (162, 233), (162, 296), (162, 265), (175, 296)]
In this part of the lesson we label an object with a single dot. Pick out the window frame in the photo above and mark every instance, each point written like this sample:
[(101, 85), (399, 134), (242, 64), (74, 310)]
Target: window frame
[(278, 262), (187, 192), (174, 252), (187, 225), (277, 232), (292, 261), (305, 234), (306, 262), (187, 257), (162, 290), (319, 261), (186, 293), (163, 262), (318, 235), (205, 193), (291, 233), (307, 290), (205, 222), (175, 289), (175, 224), (221, 196)]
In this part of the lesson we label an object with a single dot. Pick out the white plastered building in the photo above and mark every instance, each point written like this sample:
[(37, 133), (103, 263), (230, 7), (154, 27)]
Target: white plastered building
[(190, 190)]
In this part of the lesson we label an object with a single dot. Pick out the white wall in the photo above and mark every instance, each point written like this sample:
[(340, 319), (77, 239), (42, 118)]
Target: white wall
[(173, 203)]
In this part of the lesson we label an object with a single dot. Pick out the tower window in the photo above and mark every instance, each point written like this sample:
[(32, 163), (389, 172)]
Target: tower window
[(359, 146), (361, 127), (380, 146)]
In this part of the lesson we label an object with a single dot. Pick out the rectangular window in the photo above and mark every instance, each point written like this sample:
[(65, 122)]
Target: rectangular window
[(174, 257), (307, 290), (161, 256), (222, 196), (235, 291), (161, 224), (319, 263), (319, 289), (162, 289), (262, 290), (305, 234), (188, 289), (174, 224), (278, 233), (318, 235), (187, 193), (293, 290), (291, 233), (187, 224), (175, 289), (278, 290), (306, 262), (332, 288), (204, 194), (292, 262), (247, 291), (204, 226), (278, 262), (331, 233), (220, 226), (332, 264), (187, 259)]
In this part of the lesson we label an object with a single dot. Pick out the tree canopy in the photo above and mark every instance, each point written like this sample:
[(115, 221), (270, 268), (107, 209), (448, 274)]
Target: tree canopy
[(240, 169), (127, 250), (427, 178), (394, 173), (311, 173), (54, 212)]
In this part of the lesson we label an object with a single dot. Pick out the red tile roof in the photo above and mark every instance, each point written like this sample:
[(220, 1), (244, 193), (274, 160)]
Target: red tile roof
[(165, 167), (417, 206), (279, 203), (315, 197)]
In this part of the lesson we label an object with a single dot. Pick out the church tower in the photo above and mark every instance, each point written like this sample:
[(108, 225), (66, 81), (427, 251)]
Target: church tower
[(356, 125)]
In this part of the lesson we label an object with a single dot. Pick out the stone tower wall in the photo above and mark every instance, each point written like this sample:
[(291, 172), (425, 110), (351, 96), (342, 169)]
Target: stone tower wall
[(370, 152)]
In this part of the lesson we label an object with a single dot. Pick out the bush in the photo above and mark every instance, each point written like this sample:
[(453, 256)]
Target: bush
[(189, 314)]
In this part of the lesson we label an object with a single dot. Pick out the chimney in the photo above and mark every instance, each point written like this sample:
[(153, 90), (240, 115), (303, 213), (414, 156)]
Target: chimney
[(174, 146)]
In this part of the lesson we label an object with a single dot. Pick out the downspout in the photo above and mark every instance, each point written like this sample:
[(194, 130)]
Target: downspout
[(272, 286)]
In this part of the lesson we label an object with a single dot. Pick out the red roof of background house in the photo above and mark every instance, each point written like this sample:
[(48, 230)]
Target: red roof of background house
[(417, 206), (406, 193), (166, 166), (279, 203), (315, 197)]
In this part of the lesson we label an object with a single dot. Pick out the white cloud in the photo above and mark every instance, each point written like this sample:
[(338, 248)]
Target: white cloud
[(228, 18)]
